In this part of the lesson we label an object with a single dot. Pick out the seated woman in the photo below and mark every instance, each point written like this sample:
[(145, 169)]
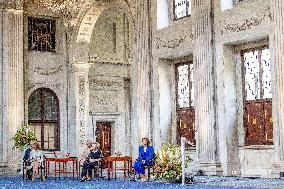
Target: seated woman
[(36, 158), (92, 161), (85, 159), (146, 158)]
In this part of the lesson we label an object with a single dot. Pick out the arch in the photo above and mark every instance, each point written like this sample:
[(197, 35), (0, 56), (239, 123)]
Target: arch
[(87, 22), (44, 117)]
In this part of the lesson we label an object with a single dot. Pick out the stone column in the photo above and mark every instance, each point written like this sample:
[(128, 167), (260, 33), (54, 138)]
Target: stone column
[(82, 104), (278, 86), (204, 61), (141, 87), (12, 83)]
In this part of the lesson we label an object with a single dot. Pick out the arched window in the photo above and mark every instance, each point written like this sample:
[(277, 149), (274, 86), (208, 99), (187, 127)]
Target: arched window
[(44, 118)]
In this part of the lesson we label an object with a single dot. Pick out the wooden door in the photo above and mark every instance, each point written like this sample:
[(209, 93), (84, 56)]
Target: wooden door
[(103, 135)]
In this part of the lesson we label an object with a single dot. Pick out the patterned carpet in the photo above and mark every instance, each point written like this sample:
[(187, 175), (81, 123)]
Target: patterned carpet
[(201, 183)]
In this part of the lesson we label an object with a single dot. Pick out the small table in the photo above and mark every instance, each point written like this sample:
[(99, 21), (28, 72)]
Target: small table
[(63, 161), (114, 159)]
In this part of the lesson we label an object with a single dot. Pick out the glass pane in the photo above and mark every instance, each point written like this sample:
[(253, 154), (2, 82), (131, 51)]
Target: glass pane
[(41, 34), (266, 74), (189, 7), (192, 84), (50, 106), (35, 106), (181, 7), (183, 86), (49, 132), (37, 131), (252, 84)]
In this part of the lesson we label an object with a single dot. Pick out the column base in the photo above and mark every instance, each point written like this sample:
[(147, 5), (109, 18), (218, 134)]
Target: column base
[(9, 169), (209, 169), (278, 171)]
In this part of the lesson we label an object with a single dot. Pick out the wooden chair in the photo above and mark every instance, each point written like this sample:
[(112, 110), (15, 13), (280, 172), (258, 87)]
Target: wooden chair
[(98, 170), (150, 169), (41, 170)]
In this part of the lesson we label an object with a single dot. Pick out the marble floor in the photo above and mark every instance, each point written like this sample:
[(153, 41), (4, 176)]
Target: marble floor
[(201, 182)]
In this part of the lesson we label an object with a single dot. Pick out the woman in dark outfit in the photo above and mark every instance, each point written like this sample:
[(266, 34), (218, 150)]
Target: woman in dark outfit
[(146, 158), (90, 163)]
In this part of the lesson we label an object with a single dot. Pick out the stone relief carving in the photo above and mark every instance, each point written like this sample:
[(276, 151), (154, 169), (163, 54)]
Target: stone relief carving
[(82, 109), (104, 101), (48, 71), (247, 23), (173, 43)]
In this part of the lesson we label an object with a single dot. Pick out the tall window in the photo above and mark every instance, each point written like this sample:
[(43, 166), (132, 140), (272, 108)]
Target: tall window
[(185, 101), (258, 97), (44, 118), (41, 34), (182, 8)]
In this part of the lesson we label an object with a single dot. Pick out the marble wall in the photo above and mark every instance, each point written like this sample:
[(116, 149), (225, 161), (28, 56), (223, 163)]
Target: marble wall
[(109, 93)]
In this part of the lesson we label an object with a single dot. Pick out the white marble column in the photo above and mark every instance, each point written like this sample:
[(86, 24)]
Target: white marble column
[(205, 113), (278, 86), (142, 104), (12, 84), (13, 81), (82, 105)]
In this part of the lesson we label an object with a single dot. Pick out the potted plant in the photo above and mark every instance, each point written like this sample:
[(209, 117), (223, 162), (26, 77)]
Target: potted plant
[(23, 137), (169, 164)]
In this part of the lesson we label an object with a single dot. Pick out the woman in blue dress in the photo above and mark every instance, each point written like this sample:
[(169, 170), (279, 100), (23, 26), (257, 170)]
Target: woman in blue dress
[(146, 158)]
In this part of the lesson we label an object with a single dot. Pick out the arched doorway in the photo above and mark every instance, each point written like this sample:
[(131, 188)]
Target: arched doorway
[(44, 118)]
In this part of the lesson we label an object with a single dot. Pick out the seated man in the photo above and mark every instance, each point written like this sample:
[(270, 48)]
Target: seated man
[(146, 158)]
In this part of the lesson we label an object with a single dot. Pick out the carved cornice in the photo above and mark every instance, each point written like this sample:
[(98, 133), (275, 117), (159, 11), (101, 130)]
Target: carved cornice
[(48, 71), (247, 23), (172, 43)]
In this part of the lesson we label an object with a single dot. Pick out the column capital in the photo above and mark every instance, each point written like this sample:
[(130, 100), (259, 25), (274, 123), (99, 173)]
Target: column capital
[(12, 5), (81, 67)]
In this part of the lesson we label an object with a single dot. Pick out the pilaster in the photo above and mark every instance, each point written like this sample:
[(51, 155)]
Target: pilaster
[(82, 104), (278, 87)]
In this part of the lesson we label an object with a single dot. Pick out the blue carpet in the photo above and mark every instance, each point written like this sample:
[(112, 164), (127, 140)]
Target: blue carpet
[(16, 183)]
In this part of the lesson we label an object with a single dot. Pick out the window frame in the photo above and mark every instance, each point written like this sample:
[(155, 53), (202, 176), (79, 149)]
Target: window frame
[(191, 108), (174, 11), (43, 121), (261, 100), (51, 19)]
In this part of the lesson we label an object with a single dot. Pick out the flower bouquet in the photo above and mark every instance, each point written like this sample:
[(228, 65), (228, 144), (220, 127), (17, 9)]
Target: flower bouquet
[(168, 163), (23, 137)]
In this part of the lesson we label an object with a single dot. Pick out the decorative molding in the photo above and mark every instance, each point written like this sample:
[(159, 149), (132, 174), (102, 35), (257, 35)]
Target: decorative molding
[(30, 85), (12, 4), (170, 44), (48, 71), (105, 83), (247, 23)]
